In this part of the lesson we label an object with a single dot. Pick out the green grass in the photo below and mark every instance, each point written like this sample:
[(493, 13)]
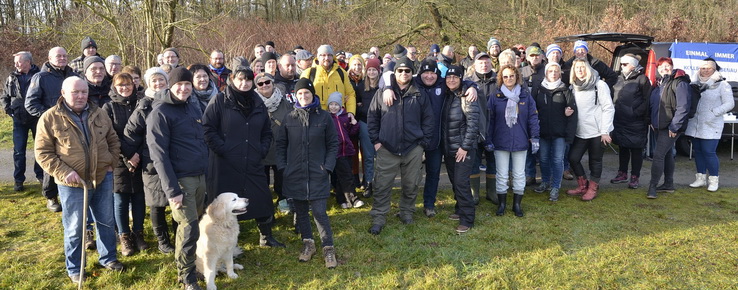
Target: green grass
[(621, 240)]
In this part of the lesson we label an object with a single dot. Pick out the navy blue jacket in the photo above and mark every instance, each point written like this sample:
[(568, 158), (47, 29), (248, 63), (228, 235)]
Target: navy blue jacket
[(14, 98), (437, 96), (45, 88), (516, 138)]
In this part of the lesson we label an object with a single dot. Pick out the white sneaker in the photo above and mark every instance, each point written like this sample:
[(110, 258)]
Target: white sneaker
[(358, 204), (345, 205), (712, 183)]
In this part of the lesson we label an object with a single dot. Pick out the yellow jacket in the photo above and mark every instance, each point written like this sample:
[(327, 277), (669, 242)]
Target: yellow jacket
[(60, 149), (327, 82)]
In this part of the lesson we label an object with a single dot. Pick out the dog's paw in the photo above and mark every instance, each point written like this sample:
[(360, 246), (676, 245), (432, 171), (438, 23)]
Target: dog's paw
[(232, 275), (237, 266)]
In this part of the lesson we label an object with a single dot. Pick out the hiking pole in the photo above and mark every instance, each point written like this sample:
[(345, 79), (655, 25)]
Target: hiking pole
[(613, 148), (84, 236)]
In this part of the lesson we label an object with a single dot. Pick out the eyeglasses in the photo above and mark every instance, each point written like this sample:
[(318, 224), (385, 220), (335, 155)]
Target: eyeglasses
[(267, 82), (403, 71), (508, 77)]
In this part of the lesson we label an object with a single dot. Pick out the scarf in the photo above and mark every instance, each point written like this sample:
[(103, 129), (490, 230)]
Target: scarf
[(551, 85), (710, 82), (356, 78), (205, 95), (303, 112), (587, 84), (272, 103), (217, 71), (243, 100), (511, 109)]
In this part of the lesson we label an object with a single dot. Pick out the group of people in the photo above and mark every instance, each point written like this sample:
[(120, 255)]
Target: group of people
[(309, 123)]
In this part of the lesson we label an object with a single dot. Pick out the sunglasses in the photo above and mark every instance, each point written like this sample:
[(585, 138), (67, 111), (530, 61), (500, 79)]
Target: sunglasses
[(623, 64), (267, 82), (508, 77), (404, 70)]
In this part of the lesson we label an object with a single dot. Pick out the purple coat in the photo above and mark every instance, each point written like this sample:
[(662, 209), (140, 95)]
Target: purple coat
[(516, 138), (345, 130)]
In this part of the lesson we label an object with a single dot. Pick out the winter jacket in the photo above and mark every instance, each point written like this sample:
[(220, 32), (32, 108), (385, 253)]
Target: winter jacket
[(220, 80), (670, 102), (307, 154), (61, 145), (404, 125), (551, 105), (238, 142), (14, 96), (486, 89), (533, 76), (176, 141), (45, 88), (100, 94), (631, 100), (365, 98), (436, 94), (77, 64), (715, 101), (119, 110), (345, 130), (276, 118), (605, 72), (460, 123), (135, 142), (327, 82), (595, 111), (287, 87), (517, 137)]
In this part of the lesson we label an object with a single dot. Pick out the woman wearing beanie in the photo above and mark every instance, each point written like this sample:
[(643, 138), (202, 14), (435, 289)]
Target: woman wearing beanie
[(594, 124), (307, 146), (556, 106), (513, 127), (277, 108), (238, 133), (135, 149), (459, 134), (203, 88), (365, 91), (706, 126), (630, 97)]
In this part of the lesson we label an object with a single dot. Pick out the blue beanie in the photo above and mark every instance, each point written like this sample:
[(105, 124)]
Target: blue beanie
[(581, 44), (435, 48), (493, 41), (553, 47)]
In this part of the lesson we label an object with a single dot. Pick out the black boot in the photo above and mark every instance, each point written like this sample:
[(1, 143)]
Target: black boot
[(502, 198), (265, 235), (162, 236), (516, 205), (369, 190)]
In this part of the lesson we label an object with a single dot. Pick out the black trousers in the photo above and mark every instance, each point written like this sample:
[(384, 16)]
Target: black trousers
[(458, 174), (634, 156), (594, 147), (277, 179), (344, 178)]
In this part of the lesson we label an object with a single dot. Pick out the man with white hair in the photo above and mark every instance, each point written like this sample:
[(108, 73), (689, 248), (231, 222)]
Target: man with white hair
[(113, 65)]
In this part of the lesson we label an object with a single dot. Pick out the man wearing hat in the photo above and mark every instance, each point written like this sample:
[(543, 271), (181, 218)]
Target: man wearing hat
[(171, 57), (89, 48), (533, 74), (399, 134), (581, 51), (177, 146), (328, 77), (97, 80), (494, 47), (43, 93), (304, 60)]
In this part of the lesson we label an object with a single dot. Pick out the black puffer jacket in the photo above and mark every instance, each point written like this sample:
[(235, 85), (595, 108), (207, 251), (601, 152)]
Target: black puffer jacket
[(14, 96), (307, 154), (551, 105), (135, 142), (120, 109), (460, 123), (631, 100)]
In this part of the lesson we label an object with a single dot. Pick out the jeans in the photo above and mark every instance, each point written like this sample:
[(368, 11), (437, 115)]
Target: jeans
[(552, 160), (137, 208), (632, 155), (187, 217), (458, 174), (489, 157), (502, 161), (101, 204), (367, 151), (319, 206), (663, 159), (20, 139), (705, 156), (594, 147), (530, 164), (433, 160)]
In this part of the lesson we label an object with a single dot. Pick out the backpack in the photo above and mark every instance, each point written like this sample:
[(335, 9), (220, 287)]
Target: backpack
[(311, 76)]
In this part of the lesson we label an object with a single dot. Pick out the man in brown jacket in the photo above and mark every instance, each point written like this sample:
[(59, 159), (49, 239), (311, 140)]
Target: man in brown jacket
[(75, 144)]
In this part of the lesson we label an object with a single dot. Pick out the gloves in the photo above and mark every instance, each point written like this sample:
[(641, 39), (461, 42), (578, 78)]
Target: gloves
[(534, 145), (489, 147)]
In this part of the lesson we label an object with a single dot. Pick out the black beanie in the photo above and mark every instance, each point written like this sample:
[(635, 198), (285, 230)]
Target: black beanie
[(405, 62), (305, 84), (90, 60), (455, 70), (428, 64), (87, 42), (270, 43), (179, 74), (399, 51), (267, 56)]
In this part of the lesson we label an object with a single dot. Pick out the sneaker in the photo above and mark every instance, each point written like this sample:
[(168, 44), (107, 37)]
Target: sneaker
[(651, 193), (482, 167), (453, 217), (429, 212), (114, 266), (358, 203), (665, 188), (53, 205), (75, 279), (633, 184), (553, 194), (567, 175), (345, 205), (460, 229), (622, 177), (283, 207), (545, 186), (18, 186), (375, 229)]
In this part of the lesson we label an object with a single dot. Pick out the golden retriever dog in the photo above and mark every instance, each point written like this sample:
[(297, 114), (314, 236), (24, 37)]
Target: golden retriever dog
[(219, 236)]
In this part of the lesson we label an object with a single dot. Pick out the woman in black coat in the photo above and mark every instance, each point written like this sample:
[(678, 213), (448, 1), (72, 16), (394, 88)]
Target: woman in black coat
[(631, 99), (307, 145), (238, 133)]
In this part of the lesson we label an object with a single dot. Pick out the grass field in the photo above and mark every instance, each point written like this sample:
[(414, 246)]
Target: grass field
[(685, 240)]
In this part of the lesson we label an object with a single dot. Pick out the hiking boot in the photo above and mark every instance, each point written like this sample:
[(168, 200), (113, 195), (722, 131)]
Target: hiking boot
[(429, 212), (90, 241), (622, 177), (329, 253), (308, 250), (114, 266), (126, 245), (18, 186), (140, 242), (633, 184), (53, 205), (460, 229), (545, 186), (665, 188), (553, 195), (270, 241)]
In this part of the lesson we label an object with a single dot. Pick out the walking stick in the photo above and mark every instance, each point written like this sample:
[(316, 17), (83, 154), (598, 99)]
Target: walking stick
[(84, 236)]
